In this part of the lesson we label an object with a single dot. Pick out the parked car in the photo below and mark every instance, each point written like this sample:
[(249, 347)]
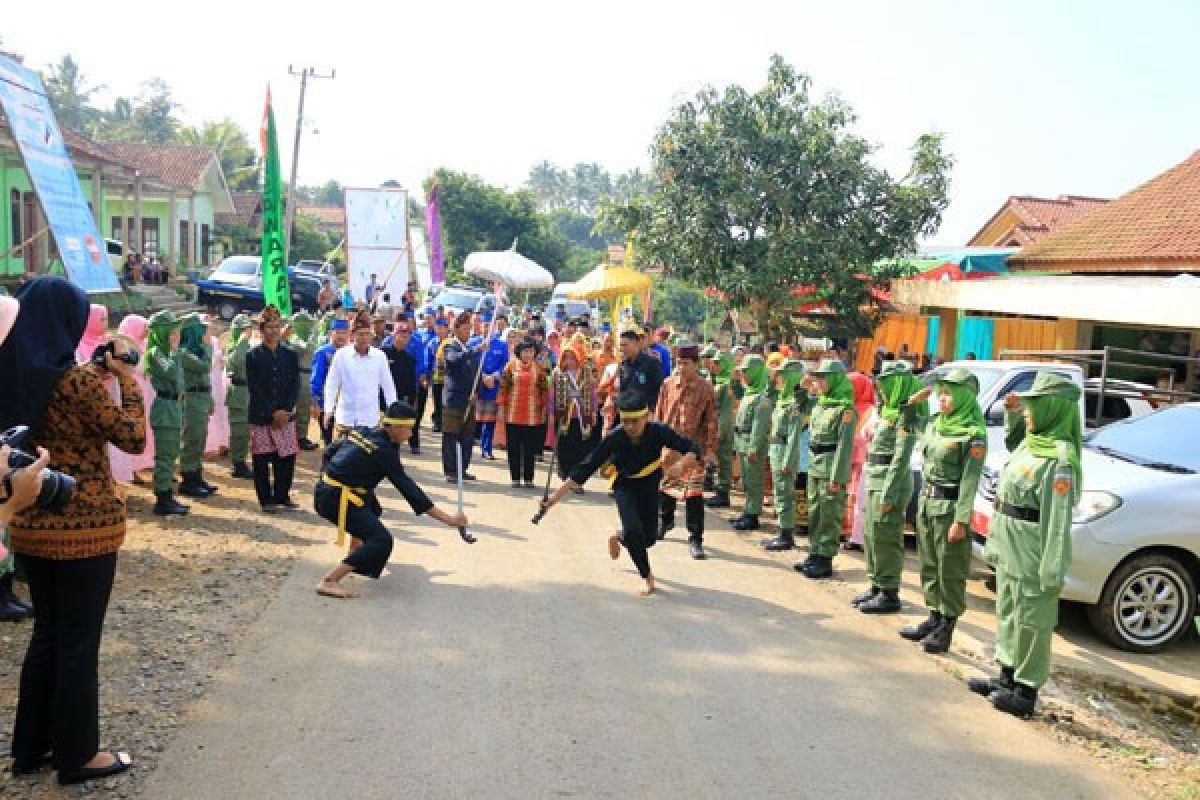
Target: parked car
[(457, 299), (1136, 532), (321, 269), (560, 300), (236, 286), (1122, 400)]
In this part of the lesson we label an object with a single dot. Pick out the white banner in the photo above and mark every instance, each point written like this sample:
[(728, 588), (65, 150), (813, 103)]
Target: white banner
[(376, 241)]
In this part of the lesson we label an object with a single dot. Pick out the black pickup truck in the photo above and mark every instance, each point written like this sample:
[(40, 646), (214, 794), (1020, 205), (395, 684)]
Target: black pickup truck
[(236, 286)]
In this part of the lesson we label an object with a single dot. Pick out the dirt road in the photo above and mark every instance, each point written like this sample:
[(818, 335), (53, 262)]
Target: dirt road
[(526, 666)]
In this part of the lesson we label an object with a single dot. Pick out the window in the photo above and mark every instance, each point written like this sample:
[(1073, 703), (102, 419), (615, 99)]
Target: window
[(205, 245), (14, 229), (150, 236), (116, 229)]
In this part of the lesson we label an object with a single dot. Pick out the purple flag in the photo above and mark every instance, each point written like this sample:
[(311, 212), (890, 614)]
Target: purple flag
[(433, 228)]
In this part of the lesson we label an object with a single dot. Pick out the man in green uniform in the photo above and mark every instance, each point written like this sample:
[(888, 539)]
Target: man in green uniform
[(830, 444), (304, 342), (787, 426), (165, 372), (1029, 543), (728, 396), (237, 396), (751, 429), (889, 486), (955, 449), (196, 357)]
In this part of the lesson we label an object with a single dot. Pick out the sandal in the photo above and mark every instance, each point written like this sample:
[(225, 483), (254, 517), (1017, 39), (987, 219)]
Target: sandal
[(121, 762), (338, 593)]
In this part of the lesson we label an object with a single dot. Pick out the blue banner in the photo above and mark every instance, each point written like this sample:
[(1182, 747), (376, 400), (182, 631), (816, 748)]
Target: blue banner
[(52, 174)]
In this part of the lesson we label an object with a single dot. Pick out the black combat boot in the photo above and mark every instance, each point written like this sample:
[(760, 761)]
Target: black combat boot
[(819, 567), (985, 686), (165, 504), (696, 548), (201, 482), (746, 522), (719, 499), (240, 470), (915, 633), (865, 595), (710, 478), (1020, 700), (12, 608), (192, 487), (783, 541), (308, 444), (938, 641), (886, 602)]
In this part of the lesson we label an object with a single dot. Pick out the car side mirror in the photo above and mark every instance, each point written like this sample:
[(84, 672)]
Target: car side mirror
[(995, 413)]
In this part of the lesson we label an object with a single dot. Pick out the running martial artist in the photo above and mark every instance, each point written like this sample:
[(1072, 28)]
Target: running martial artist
[(634, 449), (345, 495)]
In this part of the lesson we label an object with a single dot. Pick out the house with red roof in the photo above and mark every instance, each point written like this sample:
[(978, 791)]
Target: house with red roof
[(1023, 220)]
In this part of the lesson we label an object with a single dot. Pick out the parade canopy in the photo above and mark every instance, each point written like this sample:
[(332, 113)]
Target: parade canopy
[(509, 268), (606, 283)]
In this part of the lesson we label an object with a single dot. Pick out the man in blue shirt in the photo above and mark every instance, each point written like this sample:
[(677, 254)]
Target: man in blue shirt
[(339, 335), (664, 353), (495, 357), (423, 336)]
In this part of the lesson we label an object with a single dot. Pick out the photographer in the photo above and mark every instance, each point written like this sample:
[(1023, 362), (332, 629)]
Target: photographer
[(68, 541)]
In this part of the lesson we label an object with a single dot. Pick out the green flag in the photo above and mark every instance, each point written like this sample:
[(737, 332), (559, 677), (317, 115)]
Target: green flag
[(274, 249)]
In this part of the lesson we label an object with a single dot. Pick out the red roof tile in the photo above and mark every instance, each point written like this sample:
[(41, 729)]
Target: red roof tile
[(179, 166), (1154, 227), (326, 215), (246, 207), (1039, 217)]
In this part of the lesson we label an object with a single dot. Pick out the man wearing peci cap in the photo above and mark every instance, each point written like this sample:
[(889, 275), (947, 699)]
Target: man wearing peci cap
[(273, 378), (357, 377), (164, 368)]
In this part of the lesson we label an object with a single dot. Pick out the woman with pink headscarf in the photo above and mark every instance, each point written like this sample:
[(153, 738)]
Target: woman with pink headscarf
[(864, 405), (218, 420), (135, 327), (94, 335)]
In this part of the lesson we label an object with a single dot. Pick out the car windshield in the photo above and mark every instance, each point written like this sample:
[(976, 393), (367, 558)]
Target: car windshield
[(1164, 438), (987, 376), (238, 266), (458, 298)]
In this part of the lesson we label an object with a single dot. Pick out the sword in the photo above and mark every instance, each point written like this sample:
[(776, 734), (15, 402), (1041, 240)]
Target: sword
[(541, 512), (462, 529)]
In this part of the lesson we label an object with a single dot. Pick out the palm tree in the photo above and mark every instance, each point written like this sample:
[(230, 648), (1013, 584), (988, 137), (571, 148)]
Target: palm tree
[(548, 183), (69, 94), (238, 158)]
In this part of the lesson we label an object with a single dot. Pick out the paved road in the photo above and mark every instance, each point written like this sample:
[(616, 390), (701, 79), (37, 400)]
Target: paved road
[(527, 667)]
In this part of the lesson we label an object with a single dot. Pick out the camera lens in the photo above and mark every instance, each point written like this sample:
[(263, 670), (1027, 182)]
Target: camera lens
[(57, 491)]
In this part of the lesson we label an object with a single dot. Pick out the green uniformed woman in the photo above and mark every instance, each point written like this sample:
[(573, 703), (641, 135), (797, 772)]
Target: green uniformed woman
[(955, 449), (304, 341), (830, 444), (237, 396), (751, 429), (728, 396), (889, 485), (788, 421), (196, 357), (165, 372), (1029, 542)]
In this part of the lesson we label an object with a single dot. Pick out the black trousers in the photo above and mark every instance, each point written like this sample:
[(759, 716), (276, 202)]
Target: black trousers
[(58, 707), (437, 406), (455, 434), (326, 428), (572, 446), (363, 523), (414, 441), (523, 447), (693, 514), (273, 492), (637, 506)]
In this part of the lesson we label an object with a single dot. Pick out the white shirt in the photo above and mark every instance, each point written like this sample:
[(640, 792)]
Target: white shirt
[(354, 384)]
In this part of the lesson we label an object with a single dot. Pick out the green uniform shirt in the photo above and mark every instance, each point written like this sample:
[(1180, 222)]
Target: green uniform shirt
[(238, 396), (753, 423), (197, 372), (894, 440), (165, 372), (304, 349), (953, 462), (727, 403), (831, 427), (787, 425)]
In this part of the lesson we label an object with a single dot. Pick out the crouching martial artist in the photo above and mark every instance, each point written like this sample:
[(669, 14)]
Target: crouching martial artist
[(634, 449), (345, 495)]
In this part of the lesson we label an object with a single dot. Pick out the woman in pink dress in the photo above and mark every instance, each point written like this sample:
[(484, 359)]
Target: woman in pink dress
[(864, 404), (134, 327), (218, 421)]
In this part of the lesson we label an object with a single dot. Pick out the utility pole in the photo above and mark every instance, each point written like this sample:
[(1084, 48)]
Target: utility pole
[(304, 74)]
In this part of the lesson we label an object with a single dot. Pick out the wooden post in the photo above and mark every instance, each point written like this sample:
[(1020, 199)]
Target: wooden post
[(137, 213), (191, 244), (947, 332)]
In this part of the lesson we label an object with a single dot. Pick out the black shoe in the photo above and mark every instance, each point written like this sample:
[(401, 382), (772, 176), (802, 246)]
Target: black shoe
[(938, 641), (784, 541), (82, 774), (9, 597), (201, 482), (819, 567), (530, 485), (516, 484), (192, 487), (915, 633), (718, 500), (985, 686), (165, 504), (886, 602), (287, 504), (852, 547), (269, 508), (665, 527), (416, 451), (240, 470), (864, 596), (307, 444), (1020, 700), (11, 612), (746, 522), (696, 547), (469, 477), (802, 566)]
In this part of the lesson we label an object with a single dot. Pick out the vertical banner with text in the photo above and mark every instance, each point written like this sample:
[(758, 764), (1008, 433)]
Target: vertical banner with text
[(274, 249)]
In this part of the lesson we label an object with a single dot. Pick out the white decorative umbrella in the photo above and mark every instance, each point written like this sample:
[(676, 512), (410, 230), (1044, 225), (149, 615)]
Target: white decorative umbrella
[(508, 267)]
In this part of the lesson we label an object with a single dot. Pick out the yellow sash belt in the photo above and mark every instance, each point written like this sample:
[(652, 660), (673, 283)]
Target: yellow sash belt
[(644, 472), (351, 495)]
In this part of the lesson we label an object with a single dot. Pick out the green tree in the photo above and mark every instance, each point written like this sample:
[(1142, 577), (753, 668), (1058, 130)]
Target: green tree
[(308, 240), (70, 94), (758, 192), (239, 159), (150, 117), (679, 304), (548, 183), (330, 194)]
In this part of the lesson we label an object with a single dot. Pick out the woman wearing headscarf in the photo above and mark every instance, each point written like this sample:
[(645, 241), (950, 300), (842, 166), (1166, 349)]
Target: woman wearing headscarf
[(68, 547), (955, 448), (830, 445), (752, 426), (573, 409), (856, 503), (788, 421), (94, 335), (523, 392), (237, 396), (217, 440), (728, 395), (1029, 543), (164, 369), (134, 328), (888, 485), (197, 360)]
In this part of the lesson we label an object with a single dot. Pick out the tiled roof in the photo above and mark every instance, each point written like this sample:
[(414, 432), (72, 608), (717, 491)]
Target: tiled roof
[(1154, 227), (179, 166), (245, 210), (79, 145), (326, 215), (1039, 217)]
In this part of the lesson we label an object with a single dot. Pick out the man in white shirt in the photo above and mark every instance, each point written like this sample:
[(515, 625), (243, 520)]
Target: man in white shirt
[(358, 377)]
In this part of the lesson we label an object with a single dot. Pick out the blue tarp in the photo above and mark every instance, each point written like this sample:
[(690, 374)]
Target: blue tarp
[(974, 259), (975, 335)]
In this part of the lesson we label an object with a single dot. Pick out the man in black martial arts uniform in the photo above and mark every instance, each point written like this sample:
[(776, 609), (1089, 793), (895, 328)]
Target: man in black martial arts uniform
[(345, 495), (634, 449)]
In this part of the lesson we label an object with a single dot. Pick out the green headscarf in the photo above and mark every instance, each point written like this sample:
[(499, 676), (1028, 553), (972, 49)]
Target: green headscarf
[(793, 372), (896, 385), (302, 325), (724, 367), (754, 369), (191, 337), (240, 323), (839, 391), (965, 417), (1053, 403)]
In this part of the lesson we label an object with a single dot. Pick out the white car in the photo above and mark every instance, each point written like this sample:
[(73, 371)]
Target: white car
[(1122, 400), (1136, 533)]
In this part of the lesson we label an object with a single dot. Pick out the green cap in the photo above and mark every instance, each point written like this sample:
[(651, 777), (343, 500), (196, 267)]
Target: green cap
[(163, 319), (829, 366), (1052, 383), (891, 368), (788, 364), (710, 351), (962, 377)]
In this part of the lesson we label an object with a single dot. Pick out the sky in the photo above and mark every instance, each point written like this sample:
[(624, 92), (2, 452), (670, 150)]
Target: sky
[(1041, 97)]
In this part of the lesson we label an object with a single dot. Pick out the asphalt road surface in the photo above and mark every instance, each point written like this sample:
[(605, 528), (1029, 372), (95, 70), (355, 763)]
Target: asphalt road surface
[(526, 666)]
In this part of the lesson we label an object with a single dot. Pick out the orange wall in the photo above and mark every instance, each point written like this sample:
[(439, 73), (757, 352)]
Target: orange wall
[(895, 330)]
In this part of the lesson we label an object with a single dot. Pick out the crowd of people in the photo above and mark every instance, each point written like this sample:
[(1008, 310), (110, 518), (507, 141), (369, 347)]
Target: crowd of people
[(662, 420)]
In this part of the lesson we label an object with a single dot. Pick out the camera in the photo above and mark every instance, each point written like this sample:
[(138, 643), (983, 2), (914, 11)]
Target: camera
[(130, 358), (57, 487)]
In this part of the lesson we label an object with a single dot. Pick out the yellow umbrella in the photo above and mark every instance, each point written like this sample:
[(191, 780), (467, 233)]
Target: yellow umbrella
[(613, 284)]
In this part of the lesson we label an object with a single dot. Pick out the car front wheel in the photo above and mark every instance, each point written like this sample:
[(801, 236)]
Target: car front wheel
[(1147, 604)]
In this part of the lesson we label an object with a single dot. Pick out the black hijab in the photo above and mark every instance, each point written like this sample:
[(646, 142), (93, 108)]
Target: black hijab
[(40, 348)]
